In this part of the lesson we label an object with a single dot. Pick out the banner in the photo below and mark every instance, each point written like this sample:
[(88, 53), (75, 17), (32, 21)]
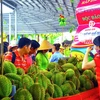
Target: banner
[(88, 18)]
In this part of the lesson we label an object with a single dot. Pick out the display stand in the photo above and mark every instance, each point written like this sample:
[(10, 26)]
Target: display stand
[(92, 94)]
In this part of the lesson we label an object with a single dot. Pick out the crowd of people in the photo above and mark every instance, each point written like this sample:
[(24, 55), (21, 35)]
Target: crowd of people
[(27, 52)]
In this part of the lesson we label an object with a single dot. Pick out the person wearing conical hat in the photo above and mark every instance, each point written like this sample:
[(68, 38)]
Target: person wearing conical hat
[(42, 58)]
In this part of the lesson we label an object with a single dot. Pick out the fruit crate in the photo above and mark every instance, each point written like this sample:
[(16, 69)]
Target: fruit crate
[(92, 94)]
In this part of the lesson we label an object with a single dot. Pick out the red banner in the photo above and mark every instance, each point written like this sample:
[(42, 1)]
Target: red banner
[(88, 17)]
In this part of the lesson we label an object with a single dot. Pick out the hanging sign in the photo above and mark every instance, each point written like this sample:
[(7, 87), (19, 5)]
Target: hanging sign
[(88, 17)]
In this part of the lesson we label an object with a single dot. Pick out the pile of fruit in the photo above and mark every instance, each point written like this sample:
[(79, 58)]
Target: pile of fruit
[(61, 79)]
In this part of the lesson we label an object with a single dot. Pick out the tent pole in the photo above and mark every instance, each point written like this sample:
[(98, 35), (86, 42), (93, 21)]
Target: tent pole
[(1, 30), (15, 24), (9, 27), (1, 20)]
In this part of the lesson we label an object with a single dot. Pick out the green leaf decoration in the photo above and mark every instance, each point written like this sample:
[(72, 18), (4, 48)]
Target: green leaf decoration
[(72, 1), (60, 9)]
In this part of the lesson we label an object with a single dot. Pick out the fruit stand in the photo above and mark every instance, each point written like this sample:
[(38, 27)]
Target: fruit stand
[(62, 80)]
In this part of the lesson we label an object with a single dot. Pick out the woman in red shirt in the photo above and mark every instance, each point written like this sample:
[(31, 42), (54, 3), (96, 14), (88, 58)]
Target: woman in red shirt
[(95, 62)]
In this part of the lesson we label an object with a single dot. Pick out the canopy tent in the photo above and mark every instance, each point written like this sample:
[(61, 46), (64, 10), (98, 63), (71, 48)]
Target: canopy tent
[(40, 16)]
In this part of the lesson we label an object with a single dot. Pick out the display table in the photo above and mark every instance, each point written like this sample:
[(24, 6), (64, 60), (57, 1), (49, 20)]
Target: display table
[(92, 94)]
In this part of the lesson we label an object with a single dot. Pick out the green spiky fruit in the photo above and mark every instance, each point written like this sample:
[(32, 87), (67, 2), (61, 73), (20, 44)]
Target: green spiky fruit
[(61, 61), (76, 91), (73, 86), (70, 73), (13, 76), (5, 86), (20, 71), (47, 96), (57, 91), (77, 73), (23, 94), (66, 88), (6, 98), (89, 84), (37, 91), (26, 81), (33, 69), (67, 66), (42, 79), (58, 78), (50, 89), (48, 74), (76, 81), (83, 79), (79, 66), (9, 67), (89, 74), (51, 65), (72, 60)]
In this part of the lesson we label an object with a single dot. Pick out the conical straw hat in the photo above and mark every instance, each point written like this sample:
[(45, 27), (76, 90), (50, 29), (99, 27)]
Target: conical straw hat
[(45, 45)]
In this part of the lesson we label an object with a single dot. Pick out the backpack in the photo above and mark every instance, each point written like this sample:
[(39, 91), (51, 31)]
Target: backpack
[(13, 57)]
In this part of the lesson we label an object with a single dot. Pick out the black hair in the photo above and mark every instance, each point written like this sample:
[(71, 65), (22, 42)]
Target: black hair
[(39, 51), (57, 46), (24, 41), (96, 41), (35, 44), (5, 47), (50, 50)]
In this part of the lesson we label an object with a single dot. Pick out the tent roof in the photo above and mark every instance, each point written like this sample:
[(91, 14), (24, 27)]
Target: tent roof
[(40, 16)]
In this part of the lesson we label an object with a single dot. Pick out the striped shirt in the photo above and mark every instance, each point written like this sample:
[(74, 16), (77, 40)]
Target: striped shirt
[(20, 62)]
